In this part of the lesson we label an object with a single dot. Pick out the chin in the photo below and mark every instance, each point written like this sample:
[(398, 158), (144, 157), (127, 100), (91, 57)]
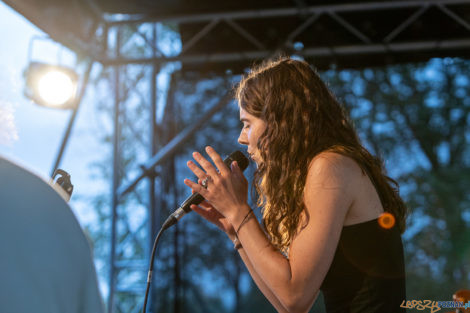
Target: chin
[(255, 160)]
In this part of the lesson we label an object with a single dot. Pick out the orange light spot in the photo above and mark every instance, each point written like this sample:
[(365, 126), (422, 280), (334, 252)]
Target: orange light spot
[(386, 220)]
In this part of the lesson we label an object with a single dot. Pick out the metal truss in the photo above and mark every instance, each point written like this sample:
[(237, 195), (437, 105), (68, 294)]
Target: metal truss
[(309, 52), (266, 13), (123, 236), (365, 45)]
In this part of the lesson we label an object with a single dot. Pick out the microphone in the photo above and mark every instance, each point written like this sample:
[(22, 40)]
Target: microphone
[(196, 198)]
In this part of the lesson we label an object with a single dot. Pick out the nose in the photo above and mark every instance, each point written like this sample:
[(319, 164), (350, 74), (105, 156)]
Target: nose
[(242, 138)]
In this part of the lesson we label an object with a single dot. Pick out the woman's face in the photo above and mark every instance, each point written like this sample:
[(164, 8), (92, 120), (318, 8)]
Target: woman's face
[(252, 129)]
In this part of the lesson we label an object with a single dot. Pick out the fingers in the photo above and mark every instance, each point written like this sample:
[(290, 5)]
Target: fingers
[(209, 169), (206, 205), (199, 182), (200, 211), (197, 171), (217, 161), (234, 167), (208, 215), (196, 187), (237, 171), (206, 165)]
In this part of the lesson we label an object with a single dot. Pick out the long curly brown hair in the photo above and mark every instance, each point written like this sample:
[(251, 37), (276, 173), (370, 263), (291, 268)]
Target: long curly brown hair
[(303, 119)]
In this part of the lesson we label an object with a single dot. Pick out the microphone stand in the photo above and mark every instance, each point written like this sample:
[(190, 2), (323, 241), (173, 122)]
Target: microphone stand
[(152, 258), (171, 220)]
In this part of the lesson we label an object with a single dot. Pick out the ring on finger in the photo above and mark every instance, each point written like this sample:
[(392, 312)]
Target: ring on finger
[(205, 182)]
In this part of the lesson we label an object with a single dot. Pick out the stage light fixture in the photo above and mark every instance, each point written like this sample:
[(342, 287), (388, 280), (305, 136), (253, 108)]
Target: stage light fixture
[(51, 85)]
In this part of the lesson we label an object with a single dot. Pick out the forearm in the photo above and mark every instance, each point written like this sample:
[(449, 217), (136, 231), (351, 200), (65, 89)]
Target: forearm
[(260, 283), (271, 267)]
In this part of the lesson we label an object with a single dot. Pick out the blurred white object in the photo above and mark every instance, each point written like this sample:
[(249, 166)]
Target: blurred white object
[(46, 265)]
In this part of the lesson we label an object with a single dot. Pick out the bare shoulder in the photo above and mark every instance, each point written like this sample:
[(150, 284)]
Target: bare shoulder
[(331, 167), (340, 176), (331, 185)]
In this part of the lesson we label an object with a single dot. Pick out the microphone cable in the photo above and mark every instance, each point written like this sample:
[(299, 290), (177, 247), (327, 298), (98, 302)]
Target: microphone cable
[(152, 258)]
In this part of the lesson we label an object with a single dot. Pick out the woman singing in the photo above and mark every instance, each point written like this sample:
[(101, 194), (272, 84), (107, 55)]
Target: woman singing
[(332, 219)]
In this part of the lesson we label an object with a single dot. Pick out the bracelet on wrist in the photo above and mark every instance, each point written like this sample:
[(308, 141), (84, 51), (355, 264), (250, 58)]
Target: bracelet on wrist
[(236, 243), (245, 219)]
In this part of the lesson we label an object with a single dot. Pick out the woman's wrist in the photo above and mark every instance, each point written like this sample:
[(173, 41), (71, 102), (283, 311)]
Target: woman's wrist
[(231, 234), (236, 243), (239, 217), (245, 220)]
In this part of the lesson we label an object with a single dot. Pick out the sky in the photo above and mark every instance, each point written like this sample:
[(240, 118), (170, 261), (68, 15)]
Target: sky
[(35, 134)]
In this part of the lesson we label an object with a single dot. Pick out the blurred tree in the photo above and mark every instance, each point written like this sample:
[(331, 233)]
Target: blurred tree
[(417, 117)]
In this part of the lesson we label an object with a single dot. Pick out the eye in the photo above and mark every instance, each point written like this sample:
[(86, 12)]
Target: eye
[(243, 125)]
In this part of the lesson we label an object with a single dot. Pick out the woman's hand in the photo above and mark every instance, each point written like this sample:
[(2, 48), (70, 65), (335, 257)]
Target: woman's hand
[(207, 211), (226, 191)]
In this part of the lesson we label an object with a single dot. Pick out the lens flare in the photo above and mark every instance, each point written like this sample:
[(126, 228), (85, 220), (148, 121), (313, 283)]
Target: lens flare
[(56, 88), (386, 220), (8, 131)]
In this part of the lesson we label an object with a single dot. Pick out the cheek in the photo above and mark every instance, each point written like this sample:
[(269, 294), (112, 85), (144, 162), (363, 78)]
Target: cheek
[(246, 134), (249, 136), (256, 136)]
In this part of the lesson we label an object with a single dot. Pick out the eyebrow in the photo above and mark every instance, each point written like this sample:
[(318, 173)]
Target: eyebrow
[(244, 120)]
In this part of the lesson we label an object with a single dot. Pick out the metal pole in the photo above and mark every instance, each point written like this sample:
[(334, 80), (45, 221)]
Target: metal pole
[(153, 216), (374, 48), (176, 270), (72, 117), (115, 184), (171, 147), (288, 11)]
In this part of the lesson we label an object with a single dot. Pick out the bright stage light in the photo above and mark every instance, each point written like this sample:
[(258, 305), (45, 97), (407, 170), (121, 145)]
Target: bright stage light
[(56, 88), (51, 86)]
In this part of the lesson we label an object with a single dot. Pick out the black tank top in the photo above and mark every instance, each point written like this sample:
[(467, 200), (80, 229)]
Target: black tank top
[(368, 272)]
